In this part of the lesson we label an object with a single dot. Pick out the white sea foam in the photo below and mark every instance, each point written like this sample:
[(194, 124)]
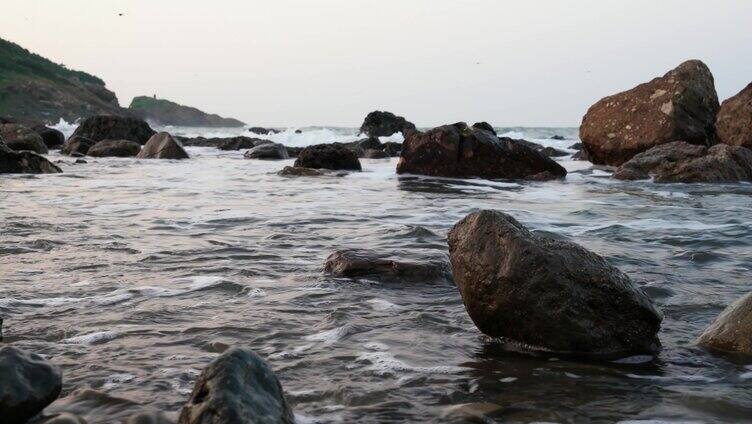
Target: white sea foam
[(331, 336), (385, 363), (697, 378), (382, 305), (117, 379), (92, 338)]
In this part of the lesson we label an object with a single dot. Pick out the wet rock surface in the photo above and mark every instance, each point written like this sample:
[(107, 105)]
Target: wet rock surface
[(114, 148), (384, 124), (268, 151), (28, 383), (681, 105), (162, 146), (94, 407), (734, 121), (19, 137), (24, 162), (113, 127), (732, 330), (334, 156), (547, 294), (51, 137), (77, 146), (353, 263)]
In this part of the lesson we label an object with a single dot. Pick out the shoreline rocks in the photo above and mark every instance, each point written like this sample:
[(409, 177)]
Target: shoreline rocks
[(113, 127), (28, 383), (681, 105), (732, 330), (51, 137), (352, 263), (263, 131), (547, 294), (237, 387), (334, 156), (24, 162), (19, 137), (162, 146), (77, 146), (681, 162), (734, 122), (114, 148), (459, 151), (384, 124)]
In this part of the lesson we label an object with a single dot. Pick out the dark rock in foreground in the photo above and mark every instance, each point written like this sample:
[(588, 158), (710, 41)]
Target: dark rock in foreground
[(112, 127), (734, 122), (681, 105), (77, 146), (460, 151), (263, 131), (162, 146), (333, 156), (28, 383), (368, 263), (115, 148), (732, 330), (93, 407), (384, 124), (237, 387), (51, 137), (19, 137), (25, 162), (681, 162), (547, 294), (269, 151)]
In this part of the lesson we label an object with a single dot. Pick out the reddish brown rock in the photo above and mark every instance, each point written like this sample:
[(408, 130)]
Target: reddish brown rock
[(162, 146), (681, 105), (114, 148), (732, 330), (734, 123), (461, 151)]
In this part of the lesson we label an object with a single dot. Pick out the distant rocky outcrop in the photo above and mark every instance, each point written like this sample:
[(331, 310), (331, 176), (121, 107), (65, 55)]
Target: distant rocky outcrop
[(19, 137), (113, 127), (28, 383), (547, 294), (237, 387), (681, 162), (681, 105), (384, 124), (461, 151), (165, 112), (115, 148), (162, 146), (34, 88), (734, 121), (334, 156), (732, 330), (263, 131), (24, 162)]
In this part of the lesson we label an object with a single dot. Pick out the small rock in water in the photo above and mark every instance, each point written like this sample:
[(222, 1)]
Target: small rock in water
[(368, 263), (334, 156), (298, 171), (557, 137), (732, 330), (262, 131), (384, 124), (114, 148), (237, 387), (93, 407), (547, 294), (28, 383), (163, 146), (268, 151)]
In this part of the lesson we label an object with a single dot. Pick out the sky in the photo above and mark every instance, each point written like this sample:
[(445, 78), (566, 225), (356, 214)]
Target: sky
[(330, 62)]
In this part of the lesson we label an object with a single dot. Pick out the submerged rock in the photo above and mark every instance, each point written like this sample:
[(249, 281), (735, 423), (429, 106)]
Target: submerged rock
[(553, 152), (734, 122), (115, 148), (24, 162), (558, 137), (299, 171), (463, 152), (28, 383), (263, 131), (237, 387), (681, 105), (163, 146), (368, 263), (51, 137), (681, 162), (93, 407), (384, 124), (269, 151), (240, 143), (113, 127), (547, 294), (732, 330), (77, 146), (333, 156), (19, 137)]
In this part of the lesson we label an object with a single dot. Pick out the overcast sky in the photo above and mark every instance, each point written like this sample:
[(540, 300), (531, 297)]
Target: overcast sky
[(284, 62)]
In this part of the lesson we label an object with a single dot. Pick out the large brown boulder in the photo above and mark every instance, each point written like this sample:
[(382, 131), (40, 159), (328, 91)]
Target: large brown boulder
[(115, 148), (547, 294), (681, 105), (20, 137), (334, 156), (734, 122), (163, 146), (384, 124), (113, 127), (24, 162), (238, 387), (732, 330), (681, 162), (461, 151), (77, 146)]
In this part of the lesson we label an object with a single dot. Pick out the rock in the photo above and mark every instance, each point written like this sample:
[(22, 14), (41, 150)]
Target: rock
[(460, 151), (267, 151), (557, 137), (575, 146), (77, 146), (19, 137), (734, 122), (24, 162), (299, 171), (112, 127), (581, 155), (374, 154), (1, 329), (294, 151), (29, 383), (681, 162), (239, 143), (298, 132), (237, 387), (333, 156), (384, 124), (547, 294), (681, 105), (263, 131), (368, 263), (484, 126), (553, 153), (393, 149), (93, 407), (51, 137), (162, 146), (370, 143), (80, 161), (732, 330), (115, 148)]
